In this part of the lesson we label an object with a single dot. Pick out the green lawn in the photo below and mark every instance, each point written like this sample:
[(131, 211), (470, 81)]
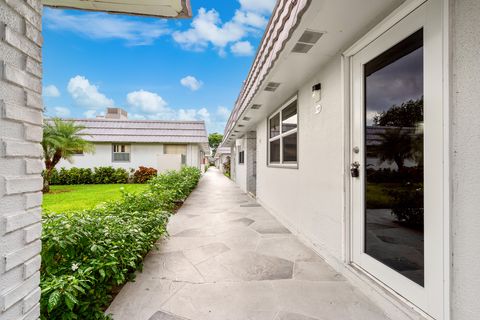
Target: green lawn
[(78, 197)]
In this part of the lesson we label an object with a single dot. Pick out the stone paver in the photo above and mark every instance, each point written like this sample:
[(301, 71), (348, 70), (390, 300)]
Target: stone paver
[(228, 259)]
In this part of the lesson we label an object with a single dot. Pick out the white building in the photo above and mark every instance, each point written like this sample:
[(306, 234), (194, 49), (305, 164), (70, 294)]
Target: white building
[(355, 128), (222, 156), (129, 144)]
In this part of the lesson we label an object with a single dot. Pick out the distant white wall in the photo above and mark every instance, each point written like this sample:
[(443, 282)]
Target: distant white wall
[(309, 198), (141, 155), (166, 162)]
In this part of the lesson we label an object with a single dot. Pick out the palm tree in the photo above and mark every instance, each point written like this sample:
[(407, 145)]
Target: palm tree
[(396, 147), (61, 140)]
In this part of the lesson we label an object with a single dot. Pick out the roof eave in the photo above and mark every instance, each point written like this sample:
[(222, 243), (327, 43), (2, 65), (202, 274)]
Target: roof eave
[(185, 12), (253, 83)]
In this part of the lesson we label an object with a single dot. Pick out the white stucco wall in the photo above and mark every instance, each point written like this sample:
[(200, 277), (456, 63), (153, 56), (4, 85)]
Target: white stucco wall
[(241, 169), (309, 199), (465, 151), (141, 155)]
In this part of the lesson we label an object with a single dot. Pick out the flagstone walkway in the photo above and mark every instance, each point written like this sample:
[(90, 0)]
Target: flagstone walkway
[(228, 259)]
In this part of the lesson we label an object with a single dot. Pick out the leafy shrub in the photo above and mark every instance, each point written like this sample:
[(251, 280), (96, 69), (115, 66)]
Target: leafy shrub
[(121, 176), (143, 174), (226, 167), (104, 175), (100, 175), (408, 207), (86, 254), (176, 184)]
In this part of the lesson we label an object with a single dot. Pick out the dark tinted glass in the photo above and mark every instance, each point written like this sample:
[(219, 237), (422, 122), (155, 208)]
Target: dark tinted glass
[(275, 151), (290, 148), (394, 183), (289, 117), (275, 126)]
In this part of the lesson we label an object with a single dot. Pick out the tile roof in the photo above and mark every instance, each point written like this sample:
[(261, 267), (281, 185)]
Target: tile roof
[(285, 18), (144, 131)]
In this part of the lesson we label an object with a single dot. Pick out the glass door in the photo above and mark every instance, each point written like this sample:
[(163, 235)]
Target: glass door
[(397, 160), (393, 171)]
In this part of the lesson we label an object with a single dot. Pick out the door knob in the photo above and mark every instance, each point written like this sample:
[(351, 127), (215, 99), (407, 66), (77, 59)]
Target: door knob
[(354, 171)]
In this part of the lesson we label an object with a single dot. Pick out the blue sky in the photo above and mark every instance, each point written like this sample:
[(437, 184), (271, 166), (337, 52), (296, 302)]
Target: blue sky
[(153, 68)]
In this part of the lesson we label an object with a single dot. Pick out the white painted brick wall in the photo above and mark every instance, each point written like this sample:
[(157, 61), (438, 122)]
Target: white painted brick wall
[(21, 117)]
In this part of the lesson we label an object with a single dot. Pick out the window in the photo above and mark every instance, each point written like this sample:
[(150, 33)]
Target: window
[(282, 135), (121, 153), (241, 156), (177, 149)]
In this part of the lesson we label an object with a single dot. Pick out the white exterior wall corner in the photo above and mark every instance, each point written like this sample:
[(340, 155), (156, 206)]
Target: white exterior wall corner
[(20, 158), (233, 163), (465, 151), (309, 199)]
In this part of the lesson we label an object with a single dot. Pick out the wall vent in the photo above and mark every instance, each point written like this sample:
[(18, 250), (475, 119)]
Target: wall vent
[(306, 42), (302, 48), (256, 106), (272, 86), (310, 37)]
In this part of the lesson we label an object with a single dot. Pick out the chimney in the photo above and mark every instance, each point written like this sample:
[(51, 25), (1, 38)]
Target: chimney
[(116, 113)]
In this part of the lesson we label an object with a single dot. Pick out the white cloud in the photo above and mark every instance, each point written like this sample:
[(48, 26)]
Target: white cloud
[(191, 82), (261, 6), (204, 115), (250, 19), (149, 102), (61, 112), (223, 112), (51, 91), (103, 26), (187, 114), (87, 95), (194, 115), (207, 28), (242, 48), (137, 116), (90, 113)]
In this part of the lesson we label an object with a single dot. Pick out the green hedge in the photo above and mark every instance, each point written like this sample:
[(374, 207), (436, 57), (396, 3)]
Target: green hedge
[(99, 175), (86, 254)]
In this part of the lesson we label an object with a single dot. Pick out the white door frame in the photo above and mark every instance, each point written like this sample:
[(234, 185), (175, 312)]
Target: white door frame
[(438, 13)]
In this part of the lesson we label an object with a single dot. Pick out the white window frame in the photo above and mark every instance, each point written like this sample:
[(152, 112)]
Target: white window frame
[(282, 164), (128, 150)]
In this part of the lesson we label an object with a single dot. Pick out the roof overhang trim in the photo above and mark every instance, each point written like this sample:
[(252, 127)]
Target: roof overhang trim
[(285, 19), (153, 8)]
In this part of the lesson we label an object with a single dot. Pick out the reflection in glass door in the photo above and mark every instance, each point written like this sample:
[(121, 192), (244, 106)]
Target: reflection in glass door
[(394, 179)]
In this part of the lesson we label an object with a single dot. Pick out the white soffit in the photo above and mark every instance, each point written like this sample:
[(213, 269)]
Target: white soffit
[(155, 8)]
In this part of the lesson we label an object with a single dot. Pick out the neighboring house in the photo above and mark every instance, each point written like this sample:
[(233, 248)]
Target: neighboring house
[(129, 144), (389, 206), (222, 156)]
